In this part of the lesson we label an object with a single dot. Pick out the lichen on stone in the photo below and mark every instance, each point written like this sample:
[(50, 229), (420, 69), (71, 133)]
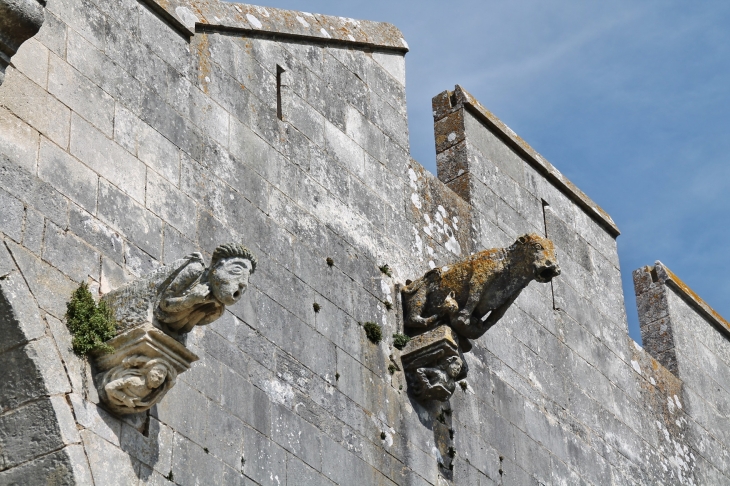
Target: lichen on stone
[(91, 324)]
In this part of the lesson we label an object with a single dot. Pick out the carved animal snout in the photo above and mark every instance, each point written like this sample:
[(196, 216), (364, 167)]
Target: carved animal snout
[(550, 271)]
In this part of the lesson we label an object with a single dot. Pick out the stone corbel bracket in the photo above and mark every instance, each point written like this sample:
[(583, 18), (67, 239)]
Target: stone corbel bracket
[(452, 304), (19, 21), (147, 359), (154, 313), (433, 364)]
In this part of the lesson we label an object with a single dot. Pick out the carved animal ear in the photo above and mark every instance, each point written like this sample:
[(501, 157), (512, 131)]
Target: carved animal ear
[(408, 282), (522, 239)]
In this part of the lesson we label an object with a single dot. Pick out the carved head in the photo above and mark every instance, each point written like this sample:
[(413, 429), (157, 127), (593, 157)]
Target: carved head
[(539, 255), (156, 375), (453, 366), (231, 268)]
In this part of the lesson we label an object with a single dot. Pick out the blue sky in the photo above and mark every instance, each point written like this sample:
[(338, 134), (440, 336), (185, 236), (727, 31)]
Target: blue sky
[(630, 100)]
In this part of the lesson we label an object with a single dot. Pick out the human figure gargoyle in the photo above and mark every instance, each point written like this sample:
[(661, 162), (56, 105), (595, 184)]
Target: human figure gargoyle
[(473, 294), (198, 295)]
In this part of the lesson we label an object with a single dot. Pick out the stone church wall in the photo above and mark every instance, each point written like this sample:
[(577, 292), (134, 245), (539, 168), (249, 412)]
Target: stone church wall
[(134, 133)]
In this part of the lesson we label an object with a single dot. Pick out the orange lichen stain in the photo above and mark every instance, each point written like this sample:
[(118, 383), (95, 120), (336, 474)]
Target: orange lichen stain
[(203, 51)]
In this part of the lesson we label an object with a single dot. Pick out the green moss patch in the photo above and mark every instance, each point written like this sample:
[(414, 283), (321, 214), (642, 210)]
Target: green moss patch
[(91, 324), (373, 332), (400, 340)]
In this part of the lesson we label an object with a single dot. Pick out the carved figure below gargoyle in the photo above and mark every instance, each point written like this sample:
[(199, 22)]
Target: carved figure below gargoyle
[(137, 383), (473, 294), (178, 297), (433, 364)]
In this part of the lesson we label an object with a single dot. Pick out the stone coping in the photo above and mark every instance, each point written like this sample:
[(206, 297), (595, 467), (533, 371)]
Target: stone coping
[(669, 278), (189, 16), (536, 160)]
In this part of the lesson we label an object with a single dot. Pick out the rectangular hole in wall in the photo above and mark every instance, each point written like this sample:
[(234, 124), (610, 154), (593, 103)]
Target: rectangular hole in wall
[(545, 205), (279, 74)]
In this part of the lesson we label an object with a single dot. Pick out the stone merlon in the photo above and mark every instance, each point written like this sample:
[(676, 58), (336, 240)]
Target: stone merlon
[(190, 16)]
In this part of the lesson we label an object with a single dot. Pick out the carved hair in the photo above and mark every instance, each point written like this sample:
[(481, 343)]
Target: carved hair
[(234, 250)]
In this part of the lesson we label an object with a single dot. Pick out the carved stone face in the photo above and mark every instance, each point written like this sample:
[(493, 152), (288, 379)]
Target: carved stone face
[(156, 376), (454, 367), (229, 279), (545, 264)]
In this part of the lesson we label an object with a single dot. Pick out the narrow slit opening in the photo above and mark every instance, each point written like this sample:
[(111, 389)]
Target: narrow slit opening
[(544, 222), (279, 72)]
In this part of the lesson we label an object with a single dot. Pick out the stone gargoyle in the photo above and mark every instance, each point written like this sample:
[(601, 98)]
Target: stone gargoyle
[(152, 316), (178, 297), (470, 296)]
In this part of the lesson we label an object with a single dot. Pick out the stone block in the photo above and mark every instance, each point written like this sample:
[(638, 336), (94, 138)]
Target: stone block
[(240, 174), (70, 255), (246, 402), (153, 448), (227, 353), (50, 287), (297, 436), (147, 143), (131, 219), (394, 64), (33, 230), (84, 18), (63, 467), (18, 140), (112, 276), (193, 465), (107, 158), (382, 83), (224, 436), (35, 106), (297, 472), (165, 42), (103, 71), (344, 150), (21, 321), (11, 218), (77, 369), (263, 460), (110, 465), (28, 188), (81, 95), (390, 121), (344, 467), (176, 245), (170, 204), (28, 432), (346, 84), (135, 57), (68, 175), (108, 241), (94, 418), (45, 356), (303, 117), (53, 34), (185, 410)]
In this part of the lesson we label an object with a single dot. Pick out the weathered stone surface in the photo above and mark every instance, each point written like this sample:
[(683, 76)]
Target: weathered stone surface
[(472, 295), (141, 370), (432, 364), (19, 21), (185, 294), (182, 143)]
